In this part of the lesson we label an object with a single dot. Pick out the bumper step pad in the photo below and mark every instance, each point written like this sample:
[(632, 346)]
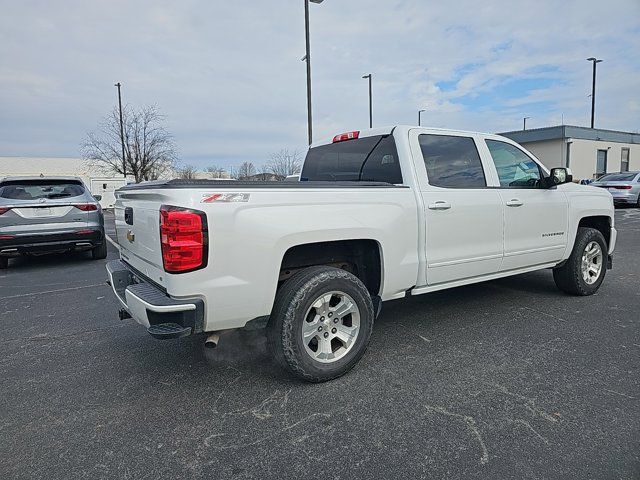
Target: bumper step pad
[(166, 331)]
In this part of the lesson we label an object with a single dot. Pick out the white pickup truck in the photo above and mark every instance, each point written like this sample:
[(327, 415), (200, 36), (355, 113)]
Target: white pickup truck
[(377, 215)]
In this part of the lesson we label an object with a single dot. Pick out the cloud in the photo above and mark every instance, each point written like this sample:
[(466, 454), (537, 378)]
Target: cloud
[(229, 79)]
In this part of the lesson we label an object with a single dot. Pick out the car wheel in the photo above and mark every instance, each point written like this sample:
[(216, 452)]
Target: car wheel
[(584, 271), (100, 252), (321, 323), (4, 263)]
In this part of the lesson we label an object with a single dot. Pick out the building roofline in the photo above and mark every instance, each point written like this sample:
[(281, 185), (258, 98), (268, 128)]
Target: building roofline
[(559, 132)]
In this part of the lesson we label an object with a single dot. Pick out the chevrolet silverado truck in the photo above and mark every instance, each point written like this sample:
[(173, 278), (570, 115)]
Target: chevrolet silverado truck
[(377, 215)]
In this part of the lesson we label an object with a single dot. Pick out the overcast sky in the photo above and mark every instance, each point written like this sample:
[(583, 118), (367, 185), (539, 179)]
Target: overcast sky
[(228, 77)]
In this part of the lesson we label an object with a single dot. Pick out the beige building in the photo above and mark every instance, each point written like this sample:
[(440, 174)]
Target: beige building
[(98, 183), (589, 152)]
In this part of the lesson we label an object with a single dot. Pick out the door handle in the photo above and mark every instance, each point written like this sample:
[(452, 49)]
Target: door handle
[(440, 205), (514, 202)]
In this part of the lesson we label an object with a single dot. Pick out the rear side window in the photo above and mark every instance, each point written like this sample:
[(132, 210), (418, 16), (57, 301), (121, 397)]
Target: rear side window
[(36, 189), (452, 162), (368, 159)]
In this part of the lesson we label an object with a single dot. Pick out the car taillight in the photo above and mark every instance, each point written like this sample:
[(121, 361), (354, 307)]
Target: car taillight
[(623, 187), (4, 210), (183, 239), (86, 207), (342, 137)]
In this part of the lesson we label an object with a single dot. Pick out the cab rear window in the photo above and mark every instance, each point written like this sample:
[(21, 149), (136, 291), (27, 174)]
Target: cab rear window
[(36, 189), (368, 159)]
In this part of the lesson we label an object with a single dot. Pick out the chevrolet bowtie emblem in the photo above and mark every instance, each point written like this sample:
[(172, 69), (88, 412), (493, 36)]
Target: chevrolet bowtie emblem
[(131, 236)]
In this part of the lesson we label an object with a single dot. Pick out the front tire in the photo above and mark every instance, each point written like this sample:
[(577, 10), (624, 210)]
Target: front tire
[(321, 323), (584, 271)]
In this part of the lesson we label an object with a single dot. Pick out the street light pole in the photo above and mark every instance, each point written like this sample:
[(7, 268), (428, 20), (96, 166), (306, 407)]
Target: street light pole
[(524, 123), (308, 60), (593, 88), (370, 101), (124, 161), (419, 114)]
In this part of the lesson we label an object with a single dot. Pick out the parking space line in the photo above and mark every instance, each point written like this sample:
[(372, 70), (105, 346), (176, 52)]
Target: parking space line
[(112, 242), (103, 284)]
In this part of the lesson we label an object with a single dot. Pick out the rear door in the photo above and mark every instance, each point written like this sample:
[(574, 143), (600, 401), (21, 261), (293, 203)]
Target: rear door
[(463, 215), (535, 218)]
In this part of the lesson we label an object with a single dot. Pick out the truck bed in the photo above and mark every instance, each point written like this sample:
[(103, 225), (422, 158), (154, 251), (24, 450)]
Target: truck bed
[(245, 185)]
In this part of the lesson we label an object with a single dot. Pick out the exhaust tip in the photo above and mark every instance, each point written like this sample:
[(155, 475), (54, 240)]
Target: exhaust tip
[(212, 340)]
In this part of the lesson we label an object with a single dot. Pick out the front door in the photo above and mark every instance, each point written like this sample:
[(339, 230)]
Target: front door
[(535, 218), (463, 216)]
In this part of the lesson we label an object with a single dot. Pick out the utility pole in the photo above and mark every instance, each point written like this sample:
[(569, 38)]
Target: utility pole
[(593, 88), (370, 101), (419, 114), (307, 58), (124, 160), (524, 123)]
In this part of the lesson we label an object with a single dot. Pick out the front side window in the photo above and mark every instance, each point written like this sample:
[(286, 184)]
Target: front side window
[(515, 168), (452, 162)]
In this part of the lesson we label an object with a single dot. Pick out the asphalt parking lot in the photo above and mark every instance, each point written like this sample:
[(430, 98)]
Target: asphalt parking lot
[(507, 379)]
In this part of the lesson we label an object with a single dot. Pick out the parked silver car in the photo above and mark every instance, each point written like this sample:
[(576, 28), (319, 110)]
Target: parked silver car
[(623, 186), (49, 214)]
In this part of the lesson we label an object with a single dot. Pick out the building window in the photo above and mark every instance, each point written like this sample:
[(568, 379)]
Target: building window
[(601, 163), (624, 160)]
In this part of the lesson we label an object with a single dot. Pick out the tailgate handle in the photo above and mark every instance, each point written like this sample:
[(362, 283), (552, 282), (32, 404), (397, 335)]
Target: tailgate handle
[(128, 216)]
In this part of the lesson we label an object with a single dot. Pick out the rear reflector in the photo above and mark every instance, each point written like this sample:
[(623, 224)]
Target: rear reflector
[(4, 210), (7, 237), (183, 238), (342, 137), (86, 207), (85, 232)]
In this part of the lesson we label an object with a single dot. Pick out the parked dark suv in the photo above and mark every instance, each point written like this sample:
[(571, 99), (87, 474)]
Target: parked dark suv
[(49, 214)]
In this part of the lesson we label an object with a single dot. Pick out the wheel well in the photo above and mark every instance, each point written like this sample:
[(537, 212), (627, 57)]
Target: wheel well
[(360, 257), (600, 222)]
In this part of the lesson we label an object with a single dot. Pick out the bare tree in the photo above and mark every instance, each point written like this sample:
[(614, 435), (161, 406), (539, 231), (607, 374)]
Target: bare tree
[(187, 172), (285, 162), (216, 171), (246, 170), (149, 149)]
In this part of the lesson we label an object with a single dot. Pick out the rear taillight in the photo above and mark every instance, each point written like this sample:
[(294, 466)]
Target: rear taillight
[(623, 187), (343, 137), (4, 210), (86, 207), (183, 238)]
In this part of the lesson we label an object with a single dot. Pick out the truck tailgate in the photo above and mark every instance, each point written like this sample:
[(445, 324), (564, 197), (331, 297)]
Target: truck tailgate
[(137, 217)]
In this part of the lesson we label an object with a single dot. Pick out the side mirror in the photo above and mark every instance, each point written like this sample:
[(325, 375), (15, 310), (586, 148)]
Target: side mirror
[(558, 176), (98, 197)]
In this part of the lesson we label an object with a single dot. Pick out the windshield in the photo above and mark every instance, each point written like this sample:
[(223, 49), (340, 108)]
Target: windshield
[(618, 177), (36, 189), (368, 159)]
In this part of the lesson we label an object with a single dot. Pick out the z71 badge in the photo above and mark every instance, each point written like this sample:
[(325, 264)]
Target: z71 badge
[(224, 197)]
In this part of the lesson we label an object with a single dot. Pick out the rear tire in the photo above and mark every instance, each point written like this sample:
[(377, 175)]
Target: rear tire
[(321, 323), (100, 252), (4, 263), (584, 271)]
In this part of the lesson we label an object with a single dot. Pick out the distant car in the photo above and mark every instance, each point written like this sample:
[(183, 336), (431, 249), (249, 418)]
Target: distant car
[(49, 214), (623, 186)]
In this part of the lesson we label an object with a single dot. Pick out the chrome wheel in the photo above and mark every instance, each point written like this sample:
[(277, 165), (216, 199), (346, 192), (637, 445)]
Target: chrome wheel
[(592, 259), (331, 327)]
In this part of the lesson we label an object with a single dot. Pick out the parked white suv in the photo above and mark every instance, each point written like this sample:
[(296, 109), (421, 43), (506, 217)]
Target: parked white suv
[(377, 215)]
